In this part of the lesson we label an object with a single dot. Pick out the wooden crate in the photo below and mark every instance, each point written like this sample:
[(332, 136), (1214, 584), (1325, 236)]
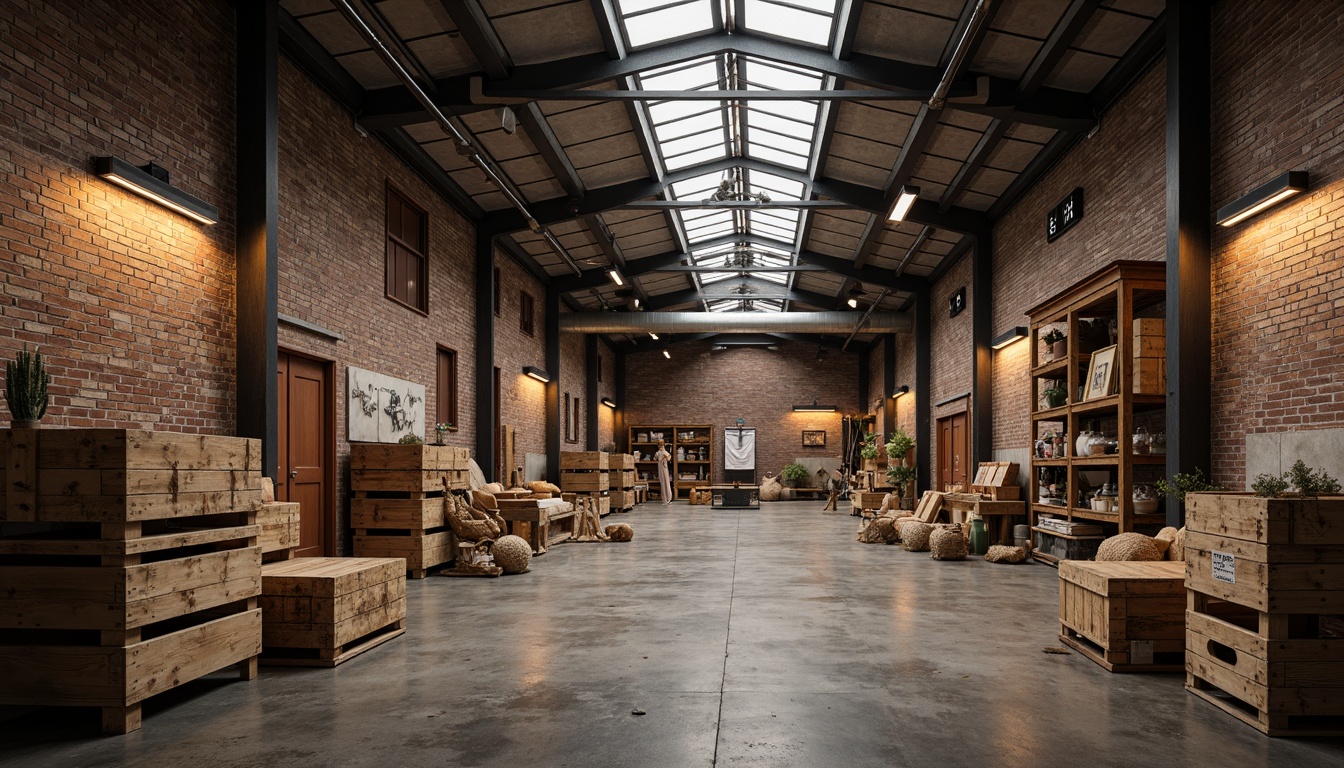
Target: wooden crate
[(1275, 555), (149, 577), (406, 514), (621, 479), (622, 500), (323, 611), (1150, 375), (1278, 673), (1127, 617), (421, 550), (867, 499), (622, 461), (399, 509), (584, 482), (279, 521), (381, 456), (584, 460)]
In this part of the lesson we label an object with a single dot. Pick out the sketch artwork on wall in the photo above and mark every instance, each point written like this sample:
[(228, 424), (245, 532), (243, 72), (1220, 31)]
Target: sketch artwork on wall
[(383, 408)]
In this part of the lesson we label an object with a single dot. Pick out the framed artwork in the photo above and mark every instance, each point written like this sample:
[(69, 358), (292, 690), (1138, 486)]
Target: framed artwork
[(814, 438), (1100, 374)]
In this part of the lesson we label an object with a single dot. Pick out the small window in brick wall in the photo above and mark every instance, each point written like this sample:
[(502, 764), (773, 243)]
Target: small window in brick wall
[(407, 252), (526, 314), (446, 390)]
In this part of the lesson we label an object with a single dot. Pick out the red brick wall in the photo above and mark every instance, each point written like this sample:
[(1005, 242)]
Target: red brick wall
[(699, 386), (1123, 175), (606, 387), (523, 400), (131, 303), (953, 352), (905, 376), (331, 258), (1278, 76), (574, 382)]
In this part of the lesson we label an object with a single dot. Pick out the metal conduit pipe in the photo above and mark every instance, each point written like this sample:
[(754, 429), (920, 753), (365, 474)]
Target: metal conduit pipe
[(733, 322), (859, 326), (959, 54), (379, 47)]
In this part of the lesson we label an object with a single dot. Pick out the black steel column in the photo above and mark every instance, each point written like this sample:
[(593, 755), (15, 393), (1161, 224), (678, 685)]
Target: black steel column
[(982, 336), (591, 400), (1189, 279), (923, 382), (485, 354), (619, 425), (258, 226), (554, 419), (888, 383)]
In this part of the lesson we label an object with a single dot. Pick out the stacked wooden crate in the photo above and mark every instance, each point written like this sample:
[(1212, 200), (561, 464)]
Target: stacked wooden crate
[(279, 521), (398, 509), (130, 565), (586, 473), (621, 481), (1265, 580), (866, 503), (997, 480), (323, 611), (1150, 356), (1125, 616)]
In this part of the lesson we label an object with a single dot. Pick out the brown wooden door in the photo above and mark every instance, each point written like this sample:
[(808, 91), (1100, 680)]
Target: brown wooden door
[(953, 451), (305, 448)]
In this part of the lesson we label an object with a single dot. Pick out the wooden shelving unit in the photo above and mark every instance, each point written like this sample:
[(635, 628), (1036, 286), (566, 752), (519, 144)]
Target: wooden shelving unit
[(697, 438), (1119, 294)]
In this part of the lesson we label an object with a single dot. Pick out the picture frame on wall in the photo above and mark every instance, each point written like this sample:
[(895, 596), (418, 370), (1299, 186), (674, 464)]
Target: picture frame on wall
[(814, 438), (1100, 374)]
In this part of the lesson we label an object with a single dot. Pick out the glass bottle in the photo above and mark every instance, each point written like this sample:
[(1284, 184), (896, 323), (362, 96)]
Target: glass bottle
[(979, 544), (1141, 441)]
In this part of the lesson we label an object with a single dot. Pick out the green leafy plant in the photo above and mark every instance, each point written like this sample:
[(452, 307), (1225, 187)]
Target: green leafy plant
[(899, 476), (1057, 393), (1053, 335), (869, 449), (793, 475), (900, 444), (410, 439), (1269, 486), (1181, 485), (26, 381), (1310, 482)]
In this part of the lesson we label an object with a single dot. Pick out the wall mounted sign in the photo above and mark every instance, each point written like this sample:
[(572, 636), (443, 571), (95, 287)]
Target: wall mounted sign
[(957, 302), (383, 408), (1062, 217)]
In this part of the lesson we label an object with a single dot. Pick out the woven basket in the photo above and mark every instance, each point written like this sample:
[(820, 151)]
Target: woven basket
[(1000, 553), (915, 536), (946, 543)]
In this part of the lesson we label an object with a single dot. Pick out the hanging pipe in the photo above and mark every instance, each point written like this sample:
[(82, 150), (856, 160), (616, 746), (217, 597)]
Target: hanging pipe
[(959, 54), (864, 319)]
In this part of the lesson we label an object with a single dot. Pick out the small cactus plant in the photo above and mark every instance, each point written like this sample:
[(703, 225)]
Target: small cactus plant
[(26, 381)]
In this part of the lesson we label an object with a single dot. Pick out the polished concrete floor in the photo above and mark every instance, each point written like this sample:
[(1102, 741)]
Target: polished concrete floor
[(751, 638)]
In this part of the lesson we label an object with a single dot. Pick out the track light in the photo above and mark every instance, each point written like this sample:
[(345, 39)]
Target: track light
[(537, 373), (667, 354), (1263, 197), (151, 182), (615, 276), (904, 200), (853, 303), (653, 335)]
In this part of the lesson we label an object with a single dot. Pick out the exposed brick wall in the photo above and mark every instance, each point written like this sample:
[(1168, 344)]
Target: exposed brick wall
[(699, 386), (952, 352), (905, 376), (131, 303), (606, 387), (574, 382), (522, 400), (1123, 175), (331, 259), (1278, 105)]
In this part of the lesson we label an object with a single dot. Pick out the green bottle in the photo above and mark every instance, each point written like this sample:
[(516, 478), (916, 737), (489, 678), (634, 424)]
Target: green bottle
[(979, 536)]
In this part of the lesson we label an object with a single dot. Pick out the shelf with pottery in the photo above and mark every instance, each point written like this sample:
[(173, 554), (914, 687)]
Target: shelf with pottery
[(1117, 310), (695, 437)]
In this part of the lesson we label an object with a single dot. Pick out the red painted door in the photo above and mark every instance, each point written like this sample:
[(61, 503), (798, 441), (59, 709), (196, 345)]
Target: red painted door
[(953, 451), (305, 434)]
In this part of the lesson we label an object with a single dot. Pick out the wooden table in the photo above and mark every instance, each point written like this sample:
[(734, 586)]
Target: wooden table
[(959, 505), (733, 496)]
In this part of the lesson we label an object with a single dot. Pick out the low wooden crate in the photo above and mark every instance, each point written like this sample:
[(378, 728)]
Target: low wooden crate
[(622, 500), (386, 456), (867, 499), (577, 460), (324, 611), (1279, 673), (1150, 375), (279, 521), (621, 479), (421, 550), (1125, 616), (622, 461), (584, 482)]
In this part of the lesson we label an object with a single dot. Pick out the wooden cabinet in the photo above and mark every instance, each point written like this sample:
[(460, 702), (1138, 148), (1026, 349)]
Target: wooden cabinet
[(1122, 305), (692, 449)]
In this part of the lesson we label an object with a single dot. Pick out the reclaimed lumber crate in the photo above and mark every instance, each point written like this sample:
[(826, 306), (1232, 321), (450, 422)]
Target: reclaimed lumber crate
[(1282, 674), (1125, 616), (623, 479), (279, 521), (324, 611), (584, 482), (398, 509), (862, 501), (130, 565), (622, 500), (621, 461), (585, 460)]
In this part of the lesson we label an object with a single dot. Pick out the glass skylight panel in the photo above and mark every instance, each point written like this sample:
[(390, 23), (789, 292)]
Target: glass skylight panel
[(695, 158), (777, 77), (772, 155), (689, 125), (781, 125), (807, 21), (653, 21), (803, 111)]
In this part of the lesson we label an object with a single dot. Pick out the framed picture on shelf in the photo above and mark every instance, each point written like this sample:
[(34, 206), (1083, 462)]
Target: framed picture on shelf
[(814, 438), (1100, 374)]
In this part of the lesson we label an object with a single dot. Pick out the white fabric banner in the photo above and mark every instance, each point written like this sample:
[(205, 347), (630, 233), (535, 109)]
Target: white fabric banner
[(739, 448)]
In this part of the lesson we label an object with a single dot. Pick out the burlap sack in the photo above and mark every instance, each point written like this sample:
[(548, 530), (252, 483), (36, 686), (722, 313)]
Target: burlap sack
[(915, 536), (947, 543), (770, 488)]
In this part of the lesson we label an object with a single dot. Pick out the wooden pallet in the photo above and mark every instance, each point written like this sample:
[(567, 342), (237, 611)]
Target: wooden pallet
[(1127, 617), (324, 611)]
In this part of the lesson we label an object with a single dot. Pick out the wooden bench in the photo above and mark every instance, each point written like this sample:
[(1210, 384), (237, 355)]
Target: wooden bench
[(324, 611), (542, 524)]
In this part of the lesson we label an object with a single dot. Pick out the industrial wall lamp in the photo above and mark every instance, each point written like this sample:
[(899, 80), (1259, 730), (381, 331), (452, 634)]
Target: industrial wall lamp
[(607, 401), (1263, 197), (151, 182), (539, 374), (1009, 336), (814, 408), (901, 390)]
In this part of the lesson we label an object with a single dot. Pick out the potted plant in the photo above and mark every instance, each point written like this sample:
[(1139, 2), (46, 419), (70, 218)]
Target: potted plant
[(1056, 347), (26, 381), (1056, 394), (869, 452), (793, 475), (900, 470), (441, 431)]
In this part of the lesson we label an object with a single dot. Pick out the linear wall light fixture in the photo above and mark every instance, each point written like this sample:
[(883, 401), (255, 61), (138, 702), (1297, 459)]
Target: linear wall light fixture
[(901, 390), (814, 408), (607, 401), (904, 200), (537, 373), (1009, 336), (1263, 197), (151, 182)]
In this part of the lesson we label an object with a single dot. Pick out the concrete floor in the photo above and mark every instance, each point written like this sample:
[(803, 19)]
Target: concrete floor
[(752, 638)]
